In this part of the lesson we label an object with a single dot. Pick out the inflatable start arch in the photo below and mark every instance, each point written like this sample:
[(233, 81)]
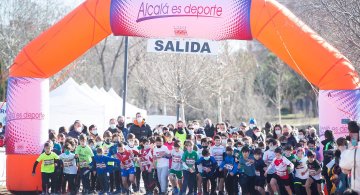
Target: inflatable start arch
[(264, 20)]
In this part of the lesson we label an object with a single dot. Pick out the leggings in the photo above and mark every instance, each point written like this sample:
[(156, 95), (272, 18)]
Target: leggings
[(48, 182)]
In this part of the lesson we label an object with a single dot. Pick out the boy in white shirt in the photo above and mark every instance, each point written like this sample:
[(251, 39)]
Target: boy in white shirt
[(281, 165), (161, 155)]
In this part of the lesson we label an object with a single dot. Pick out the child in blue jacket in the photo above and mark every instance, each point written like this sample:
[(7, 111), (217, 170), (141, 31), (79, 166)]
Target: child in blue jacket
[(209, 166), (230, 169), (247, 178), (100, 165)]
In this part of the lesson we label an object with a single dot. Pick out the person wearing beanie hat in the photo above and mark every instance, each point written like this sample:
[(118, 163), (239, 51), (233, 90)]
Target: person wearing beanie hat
[(252, 124)]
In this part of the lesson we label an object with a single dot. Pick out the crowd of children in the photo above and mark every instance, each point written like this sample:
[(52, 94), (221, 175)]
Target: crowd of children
[(277, 160)]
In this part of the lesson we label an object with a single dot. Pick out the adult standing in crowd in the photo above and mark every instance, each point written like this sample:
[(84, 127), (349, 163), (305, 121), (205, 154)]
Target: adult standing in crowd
[(140, 128), (209, 128), (288, 133), (112, 126), (268, 129), (349, 161), (121, 126), (252, 124), (75, 130), (180, 131), (257, 136)]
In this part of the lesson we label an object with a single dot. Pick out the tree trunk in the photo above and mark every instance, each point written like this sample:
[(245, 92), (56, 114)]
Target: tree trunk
[(314, 106), (164, 109), (291, 106), (219, 108), (278, 97)]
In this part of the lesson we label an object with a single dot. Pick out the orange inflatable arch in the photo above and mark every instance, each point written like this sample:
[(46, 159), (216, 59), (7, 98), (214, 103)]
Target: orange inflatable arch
[(271, 24)]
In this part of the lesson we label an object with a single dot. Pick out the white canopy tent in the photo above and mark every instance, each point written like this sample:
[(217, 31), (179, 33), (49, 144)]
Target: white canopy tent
[(131, 110), (70, 102)]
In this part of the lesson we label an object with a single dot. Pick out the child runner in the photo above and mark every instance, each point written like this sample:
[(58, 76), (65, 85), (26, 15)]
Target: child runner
[(69, 168), (268, 157), (176, 174), (229, 167), (209, 166), (301, 171), (246, 164), (100, 164), (217, 151), (127, 166), (147, 166), (281, 165), (204, 144), (48, 159), (114, 170), (162, 155), (134, 149), (84, 153), (189, 158), (106, 145), (314, 168), (259, 171)]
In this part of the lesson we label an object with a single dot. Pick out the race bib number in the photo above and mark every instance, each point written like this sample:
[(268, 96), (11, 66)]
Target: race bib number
[(257, 173), (48, 162), (206, 169), (83, 164), (100, 165), (190, 161), (229, 166), (248, 164), (281, 173), (144, 163), (176, 159), (68, 163), (160, 154)]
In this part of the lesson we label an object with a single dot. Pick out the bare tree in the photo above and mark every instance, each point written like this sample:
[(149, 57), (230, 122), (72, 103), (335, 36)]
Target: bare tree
[(335, 20), (170, 77), (273, 83)]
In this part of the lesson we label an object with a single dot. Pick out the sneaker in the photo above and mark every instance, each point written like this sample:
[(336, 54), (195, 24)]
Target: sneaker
[(175, 191), (117, 192)]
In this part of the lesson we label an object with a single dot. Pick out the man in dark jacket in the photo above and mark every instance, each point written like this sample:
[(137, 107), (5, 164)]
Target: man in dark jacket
[(121, 126), (75, 130), (112, 126), (140, 128), (257, 135), (209, 128)]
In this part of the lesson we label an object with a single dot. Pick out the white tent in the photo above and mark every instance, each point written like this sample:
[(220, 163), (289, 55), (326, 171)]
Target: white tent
[(70, 102), (131, 110)]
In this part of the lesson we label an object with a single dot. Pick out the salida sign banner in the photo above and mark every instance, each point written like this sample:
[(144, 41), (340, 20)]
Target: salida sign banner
[(185, 46), (203, 19)]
